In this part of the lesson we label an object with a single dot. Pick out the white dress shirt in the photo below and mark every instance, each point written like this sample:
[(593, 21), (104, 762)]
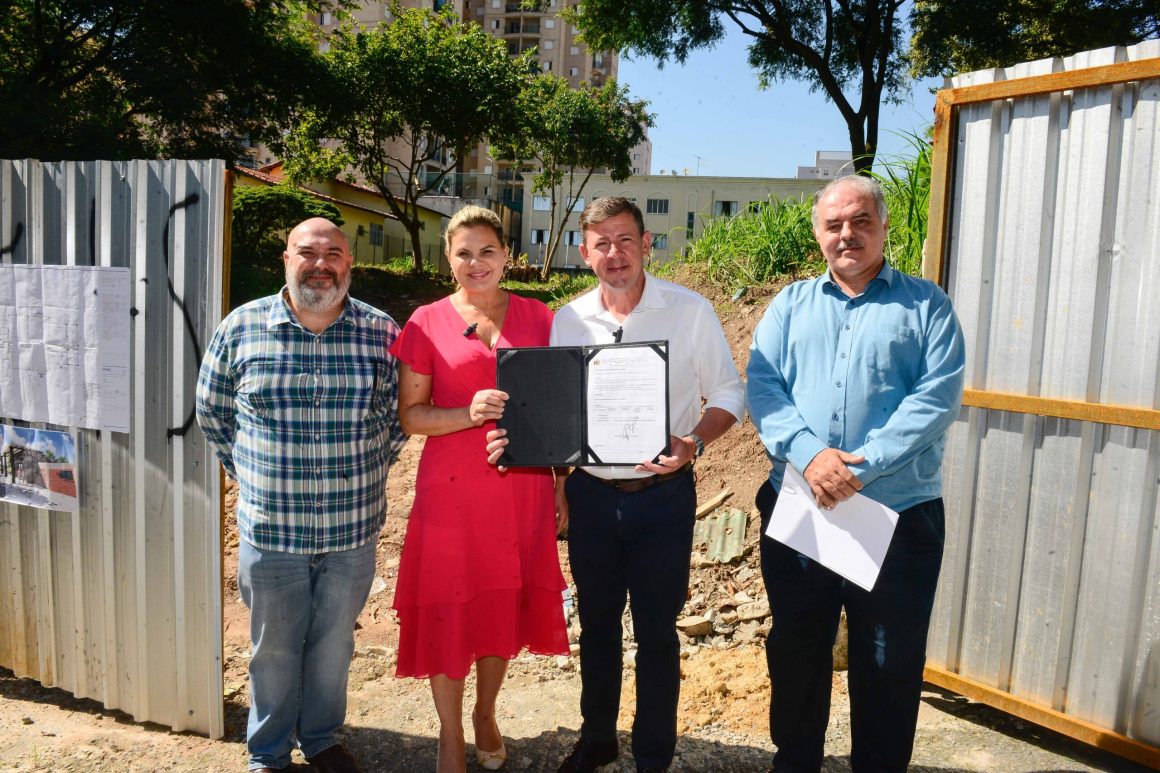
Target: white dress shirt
[(701, 366)]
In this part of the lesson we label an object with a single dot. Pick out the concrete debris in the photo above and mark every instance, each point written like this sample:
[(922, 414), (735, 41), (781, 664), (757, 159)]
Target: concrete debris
[(695, 625)]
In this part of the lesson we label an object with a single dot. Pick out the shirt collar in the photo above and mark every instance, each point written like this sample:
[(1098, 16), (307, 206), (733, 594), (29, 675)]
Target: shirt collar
[(590, 306), (280, 312), (886, 274)]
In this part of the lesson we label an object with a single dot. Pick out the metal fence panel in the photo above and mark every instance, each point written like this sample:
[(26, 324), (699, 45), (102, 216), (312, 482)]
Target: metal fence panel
[(121, 601), (1050, 580)]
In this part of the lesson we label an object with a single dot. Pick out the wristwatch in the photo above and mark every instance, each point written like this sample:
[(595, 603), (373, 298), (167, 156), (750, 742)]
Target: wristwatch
[(700, 444)]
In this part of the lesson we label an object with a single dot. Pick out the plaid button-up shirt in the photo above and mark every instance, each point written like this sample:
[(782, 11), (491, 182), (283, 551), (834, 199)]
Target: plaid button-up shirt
[(307, 424)]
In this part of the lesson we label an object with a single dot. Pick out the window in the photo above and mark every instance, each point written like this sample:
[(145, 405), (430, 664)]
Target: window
[(598, 60), (575, 50), (376, 235), (546, 65), (636, 170), (576, 204), (573, 70), (65, 474), (541, 203), (539, 236), (656, 206), (660, 241), (636, 156), (572, 238), (690, 221), (549, 24), (495, 24), (549, 44), (724, 208), (495, 3)]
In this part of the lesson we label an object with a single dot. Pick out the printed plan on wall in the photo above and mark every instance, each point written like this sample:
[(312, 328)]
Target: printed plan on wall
[(64, 345)]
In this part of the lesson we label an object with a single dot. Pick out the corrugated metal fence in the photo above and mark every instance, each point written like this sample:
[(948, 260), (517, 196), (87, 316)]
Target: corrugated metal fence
[(121, 602), (1045, 230)]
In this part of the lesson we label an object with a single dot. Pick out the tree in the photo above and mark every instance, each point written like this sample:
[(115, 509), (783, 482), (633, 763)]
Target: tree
[(950, 37), (572, 133), (261, 216), (837, 46), (82, 79), (412, 97)]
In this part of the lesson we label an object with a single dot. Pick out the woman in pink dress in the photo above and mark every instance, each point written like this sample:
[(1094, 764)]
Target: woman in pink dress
[(479, 578)]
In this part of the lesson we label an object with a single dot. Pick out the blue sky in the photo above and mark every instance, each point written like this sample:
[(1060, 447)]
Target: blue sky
[(59, 443), (711, 107)]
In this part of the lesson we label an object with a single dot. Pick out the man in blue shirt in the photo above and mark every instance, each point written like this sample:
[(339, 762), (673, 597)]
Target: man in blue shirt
[(299, 398), (854, 378)]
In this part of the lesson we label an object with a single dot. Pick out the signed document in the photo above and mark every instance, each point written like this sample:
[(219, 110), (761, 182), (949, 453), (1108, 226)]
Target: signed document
[(627, 404), (851, 540), (584, 405)]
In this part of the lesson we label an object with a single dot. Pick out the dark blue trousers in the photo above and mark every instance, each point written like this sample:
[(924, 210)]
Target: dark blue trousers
[(887, 644), (635, 547)]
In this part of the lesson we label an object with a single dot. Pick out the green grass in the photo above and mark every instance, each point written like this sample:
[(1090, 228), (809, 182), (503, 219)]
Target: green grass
[(560, 288), (776, 239), (905, 181)]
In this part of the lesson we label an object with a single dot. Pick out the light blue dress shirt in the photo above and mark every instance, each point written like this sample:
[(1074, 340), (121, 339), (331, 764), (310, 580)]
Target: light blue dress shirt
[(879, 375)]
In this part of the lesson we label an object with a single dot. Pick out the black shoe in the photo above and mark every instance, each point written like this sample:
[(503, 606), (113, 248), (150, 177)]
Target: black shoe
[(334, 759), (586, 757)]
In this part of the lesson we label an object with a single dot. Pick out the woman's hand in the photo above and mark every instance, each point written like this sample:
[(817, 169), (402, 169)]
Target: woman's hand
[(496, 442), (486, 405)]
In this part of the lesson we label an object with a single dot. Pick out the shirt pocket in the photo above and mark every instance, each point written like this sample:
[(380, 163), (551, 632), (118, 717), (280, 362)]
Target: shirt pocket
[(893, 357), (268, 387)]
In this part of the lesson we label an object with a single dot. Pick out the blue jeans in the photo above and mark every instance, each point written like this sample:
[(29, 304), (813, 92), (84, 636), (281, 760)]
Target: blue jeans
[(635, 547), (887, 644), (302, 614)]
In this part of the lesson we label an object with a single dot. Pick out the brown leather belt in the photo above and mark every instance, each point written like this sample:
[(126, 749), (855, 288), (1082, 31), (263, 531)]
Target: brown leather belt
[(633, 485)]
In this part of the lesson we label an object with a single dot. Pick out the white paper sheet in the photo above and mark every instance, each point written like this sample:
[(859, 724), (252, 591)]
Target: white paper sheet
[(64, 345), (850, 540), (627, 402)]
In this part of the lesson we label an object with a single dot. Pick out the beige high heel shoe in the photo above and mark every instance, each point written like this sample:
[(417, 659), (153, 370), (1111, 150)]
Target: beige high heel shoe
[(491, 760)]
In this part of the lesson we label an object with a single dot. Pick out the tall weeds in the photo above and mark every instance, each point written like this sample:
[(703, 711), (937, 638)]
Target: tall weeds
[(905, 181), (776, 238), (755, 247)]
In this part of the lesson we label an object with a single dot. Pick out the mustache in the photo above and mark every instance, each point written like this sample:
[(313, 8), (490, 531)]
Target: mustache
[(850, 245), (317, 272)]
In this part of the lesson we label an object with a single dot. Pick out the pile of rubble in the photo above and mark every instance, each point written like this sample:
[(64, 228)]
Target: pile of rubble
[(727, 606)]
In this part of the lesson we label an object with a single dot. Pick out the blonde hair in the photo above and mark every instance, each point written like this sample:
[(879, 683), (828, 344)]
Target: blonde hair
[(469, 217)]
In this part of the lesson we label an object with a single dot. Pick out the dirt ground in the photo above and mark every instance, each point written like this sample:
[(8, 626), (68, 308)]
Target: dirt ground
[(391, 724)]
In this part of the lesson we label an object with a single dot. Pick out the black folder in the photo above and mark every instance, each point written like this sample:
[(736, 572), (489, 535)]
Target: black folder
[(546, 415)]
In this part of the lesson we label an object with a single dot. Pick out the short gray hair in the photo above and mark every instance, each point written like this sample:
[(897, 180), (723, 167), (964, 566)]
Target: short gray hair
[(865, 185)]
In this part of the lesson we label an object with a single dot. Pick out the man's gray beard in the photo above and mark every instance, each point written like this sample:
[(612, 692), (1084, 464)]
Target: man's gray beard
[(316, 300)]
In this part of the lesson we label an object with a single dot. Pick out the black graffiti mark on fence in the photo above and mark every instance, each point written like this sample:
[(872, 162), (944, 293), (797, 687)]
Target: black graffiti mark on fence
[(188, 201), (17, 233)]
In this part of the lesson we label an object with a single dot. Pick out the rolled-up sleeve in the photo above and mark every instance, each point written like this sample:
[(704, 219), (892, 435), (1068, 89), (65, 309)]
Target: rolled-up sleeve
[(214, 400), (717, 372)]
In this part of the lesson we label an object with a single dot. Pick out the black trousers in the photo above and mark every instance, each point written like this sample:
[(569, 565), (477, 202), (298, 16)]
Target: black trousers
[(631, 547), (887, 644)]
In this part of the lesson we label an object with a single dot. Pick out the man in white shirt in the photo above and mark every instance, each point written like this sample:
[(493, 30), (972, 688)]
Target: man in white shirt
[(631, 527)]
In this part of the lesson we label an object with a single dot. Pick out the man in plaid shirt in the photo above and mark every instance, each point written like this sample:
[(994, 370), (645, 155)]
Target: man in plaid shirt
[(298, 397)]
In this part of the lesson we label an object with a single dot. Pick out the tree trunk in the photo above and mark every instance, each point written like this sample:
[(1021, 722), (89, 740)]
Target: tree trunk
[(863, 156), (416, 248)]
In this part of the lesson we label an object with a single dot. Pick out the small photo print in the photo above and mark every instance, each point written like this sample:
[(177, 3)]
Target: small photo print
[(38, 468)]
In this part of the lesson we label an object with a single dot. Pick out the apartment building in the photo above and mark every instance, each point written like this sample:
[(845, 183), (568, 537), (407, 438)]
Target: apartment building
[(676, 209)]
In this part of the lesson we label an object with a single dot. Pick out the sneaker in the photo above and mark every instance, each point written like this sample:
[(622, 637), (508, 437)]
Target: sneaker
[(586, 757), (334, 759)]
